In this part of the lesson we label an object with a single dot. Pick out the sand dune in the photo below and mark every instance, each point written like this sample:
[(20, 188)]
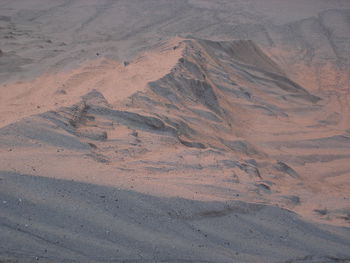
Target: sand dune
[(174, 131), (225, 124), (212, 112)]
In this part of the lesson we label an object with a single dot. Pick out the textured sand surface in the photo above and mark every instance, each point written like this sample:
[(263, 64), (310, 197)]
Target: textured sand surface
[(90, 223), (174, 131)]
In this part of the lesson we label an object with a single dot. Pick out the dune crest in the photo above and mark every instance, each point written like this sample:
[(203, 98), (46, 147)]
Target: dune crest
[(117, 81)]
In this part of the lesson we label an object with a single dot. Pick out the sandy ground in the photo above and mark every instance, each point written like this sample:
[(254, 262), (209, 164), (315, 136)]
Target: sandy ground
[(90, 223), (146, 132)]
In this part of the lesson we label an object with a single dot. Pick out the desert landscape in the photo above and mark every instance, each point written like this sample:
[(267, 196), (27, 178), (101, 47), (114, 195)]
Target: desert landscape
[(175, 131)]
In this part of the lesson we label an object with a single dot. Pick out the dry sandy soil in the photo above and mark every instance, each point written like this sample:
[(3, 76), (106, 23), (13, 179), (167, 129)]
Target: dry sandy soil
[(174, 131)]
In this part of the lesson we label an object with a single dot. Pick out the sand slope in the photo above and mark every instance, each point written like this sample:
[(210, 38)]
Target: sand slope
[(90, 223), (305, 36)]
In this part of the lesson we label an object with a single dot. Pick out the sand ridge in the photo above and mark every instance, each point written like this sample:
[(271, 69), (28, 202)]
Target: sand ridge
[(117, 81)]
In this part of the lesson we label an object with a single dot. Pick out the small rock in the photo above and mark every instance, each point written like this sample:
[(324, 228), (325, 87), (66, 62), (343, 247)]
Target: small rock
[(322, 212), (61, 91), (92, 145)]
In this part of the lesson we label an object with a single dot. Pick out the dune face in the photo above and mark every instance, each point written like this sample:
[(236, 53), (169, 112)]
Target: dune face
[(174, 138)]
